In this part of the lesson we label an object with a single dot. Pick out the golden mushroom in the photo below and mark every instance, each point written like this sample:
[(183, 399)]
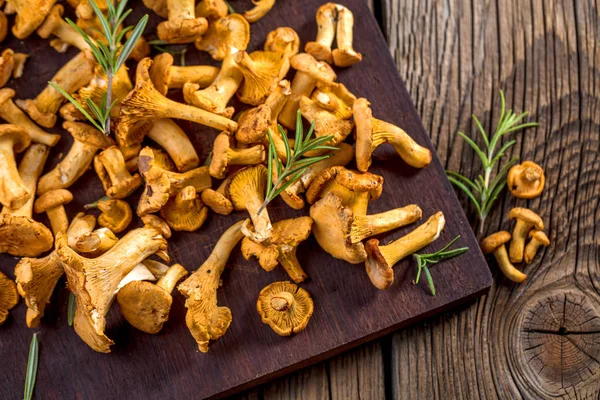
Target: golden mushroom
[(95, 243), (320, 48), (495, 243), (8, 296), (30, 15), (335, 98), (185, 211), (283, 40), (53, 204), (212, 10), (537, 240), (7, 63), (167, 76), (182, 25), (345, 55), (260, 9), (262, 71), (116, 214), (55, 25), (285, 307), (225, 36), (326, 123), (159, 7), (217, 200), (224, 155), (526, 220), (13, 191), (112, 171), (526, 180)]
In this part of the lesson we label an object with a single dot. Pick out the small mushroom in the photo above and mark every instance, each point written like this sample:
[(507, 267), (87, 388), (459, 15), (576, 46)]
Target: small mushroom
[(224, 155), (225, 36), (14, 115), (212, 10), (55, 25), (146, 306), (80, 225), (162, 184), (94, 244), (281, 248), (185, 211), (526, 180), (283, 40), (495, 243), (205, 319), (285, 307), (309, 72), (353, 188), (326, 123), (246, 191), (215, 97), (260, 9), (75, 74), (112, 171), (326, 22), (335, 98), (217, 200), (262, 72), (87, 140), (167, 76), (538, 239), (145, 104), (174, 140), (83, 8), (7, 63), (94, 281), (30, 15), (345, 55), (3, 26), (8, 296), (159, 7), (13, 191), (372, 132), (20, 235), (53, 204), (19, 65), (116, 214), (182, 25), (526, 221)]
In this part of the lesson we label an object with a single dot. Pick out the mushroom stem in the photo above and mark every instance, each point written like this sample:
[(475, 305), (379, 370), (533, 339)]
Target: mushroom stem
[(218, 258), (80, 225), (302, 85), (411, 152), (538, 239), (507, 268), (249, 156), (365, 226), (326, 22), (182, 25), (526, 220), (345, 55), (13, 193), (58, 219), (202, 75), (260, 220), (173, 139), (57, 26), (14, 115), (173, 275), (282, 301), (289, 262)]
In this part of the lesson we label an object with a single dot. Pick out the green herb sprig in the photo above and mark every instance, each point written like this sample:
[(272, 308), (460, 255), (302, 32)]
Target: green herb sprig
[(484, 190), (230, 8), (175, 50), (71, 309), (32, 366), (110, 56), (423, 260), (295, 165)]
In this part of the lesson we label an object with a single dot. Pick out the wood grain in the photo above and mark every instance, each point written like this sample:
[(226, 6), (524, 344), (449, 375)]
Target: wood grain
[(349, 311)]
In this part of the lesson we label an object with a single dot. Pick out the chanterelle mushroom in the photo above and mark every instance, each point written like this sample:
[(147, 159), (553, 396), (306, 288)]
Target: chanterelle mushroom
[(182, 25), (246, 191), (30, 15), (185, 211), (526, 221), (94, 281), (260, 9), (162, 184), (75, 74), (205, 319), (262, 71), (320, 49), (13, 191), (167, 76), (225, 36), (57, 26), (212, 10), (285, 307), (7, 62), (3, 26), (326, 123), (281, 248), (372, 132), (495, 243), (95, 243), (8, 296), (538, 239), (145, 305), (52, 203), (87, 141), (217, 200), (345, 55), (14, 115), (112, 171), (145, 104), (526, 180), (381, 259), (309, 71), (19, 234), (224, 155), (283, 40), (353, 188), (116, 214)]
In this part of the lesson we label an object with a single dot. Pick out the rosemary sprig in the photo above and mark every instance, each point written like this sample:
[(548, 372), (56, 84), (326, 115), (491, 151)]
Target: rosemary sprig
[(231, 10), (71, 309), (484, 190), (110, 56), (295, 165), (443, 254), (165, 47), (32, 365)]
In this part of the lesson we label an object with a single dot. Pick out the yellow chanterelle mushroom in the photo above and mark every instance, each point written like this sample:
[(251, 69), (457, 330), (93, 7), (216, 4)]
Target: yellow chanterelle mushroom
[(285, 307)]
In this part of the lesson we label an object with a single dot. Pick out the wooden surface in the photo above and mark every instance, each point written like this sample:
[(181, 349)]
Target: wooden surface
[(541, 339), (348, 310)]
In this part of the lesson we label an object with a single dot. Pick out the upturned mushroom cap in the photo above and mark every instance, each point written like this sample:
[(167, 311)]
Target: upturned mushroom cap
[(283, 40), (334, 97), (23, 237), (285, 307), (116, 214), (185, 211), (8, 296), (52, 199), (318, 70), (225, 36), (495, 240), (15, 134), (326, 123), (262, 71), (7, 62), (160, 72), (528, 216), (526, 180)]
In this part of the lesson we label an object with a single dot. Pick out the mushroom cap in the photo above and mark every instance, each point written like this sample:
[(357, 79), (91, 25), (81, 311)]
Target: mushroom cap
[(7, 63), (30, 16), (145, 305), (262, 71), (246, 184), (160, 225), (87, 134), (49, 24), (52, 199), (335, 97), (158, 6), (380, 273), (211, 9), (17, 135), (253, 125), (8, 296), (217, 201), (345, 57), (160, 72), (225, 36), (526, 215), (540, 236), (180, 30), (187, 218), (24, 237), (326, 123), (116, 214), (283, 40), (318, 70), (273, 306), (5, 93), (495, 240), (526, 180), (350, 180)]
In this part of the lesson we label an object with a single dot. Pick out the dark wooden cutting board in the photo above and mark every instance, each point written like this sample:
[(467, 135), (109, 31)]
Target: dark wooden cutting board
[(348, 309)]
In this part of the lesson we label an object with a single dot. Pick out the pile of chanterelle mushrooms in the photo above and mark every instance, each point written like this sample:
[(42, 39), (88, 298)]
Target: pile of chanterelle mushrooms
[(178, 190)]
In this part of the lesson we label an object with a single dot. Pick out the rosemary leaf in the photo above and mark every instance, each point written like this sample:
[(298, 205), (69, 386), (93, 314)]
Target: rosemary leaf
[(71, 309), (229, 8), (32, 365)]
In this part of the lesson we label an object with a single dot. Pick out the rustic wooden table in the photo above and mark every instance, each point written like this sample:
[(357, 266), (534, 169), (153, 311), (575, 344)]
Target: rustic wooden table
[(540, 339)]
